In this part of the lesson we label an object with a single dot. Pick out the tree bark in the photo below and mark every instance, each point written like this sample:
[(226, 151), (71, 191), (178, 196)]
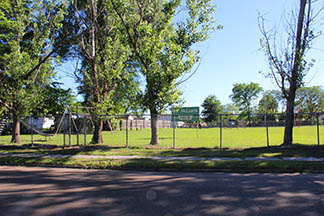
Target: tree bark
[(16, 130), (154, 128), (299, 53), (289, 123), (97, 133), (249, 118)]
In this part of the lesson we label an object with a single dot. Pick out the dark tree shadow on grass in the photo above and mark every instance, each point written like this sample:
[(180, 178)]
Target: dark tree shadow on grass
[(296, 150)]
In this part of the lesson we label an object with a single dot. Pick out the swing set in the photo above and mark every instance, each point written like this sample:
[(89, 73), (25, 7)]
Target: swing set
[(67, 124)]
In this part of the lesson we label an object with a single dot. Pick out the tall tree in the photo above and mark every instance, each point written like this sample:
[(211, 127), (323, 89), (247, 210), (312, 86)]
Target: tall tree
[(162, 46), (310, 99), (278, 96), (288, 65), (212, 108), (230, 108), (243, 95), (27, 29), (99, 44), (268, 103)]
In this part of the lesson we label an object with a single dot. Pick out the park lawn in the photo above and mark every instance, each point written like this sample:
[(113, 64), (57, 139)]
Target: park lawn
[(237, 142), (210, 137), (188, 137)]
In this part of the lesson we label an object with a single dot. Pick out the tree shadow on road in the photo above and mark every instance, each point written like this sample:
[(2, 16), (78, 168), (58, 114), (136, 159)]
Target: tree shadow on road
[(52, 191)]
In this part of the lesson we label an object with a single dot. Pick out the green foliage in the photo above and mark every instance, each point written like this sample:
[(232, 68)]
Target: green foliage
[(55, 100), (108, 79), (268, 103), (212, 107), (27, 28), (2, 110), (243, 95), (26, 44), (310, 99), (230, 108), (162, 46), (106, 76)]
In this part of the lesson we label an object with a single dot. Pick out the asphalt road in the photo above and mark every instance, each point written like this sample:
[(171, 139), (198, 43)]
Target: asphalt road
[(56, 191)]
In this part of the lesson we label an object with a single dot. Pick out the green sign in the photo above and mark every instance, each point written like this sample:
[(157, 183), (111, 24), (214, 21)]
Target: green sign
[(186, 114)]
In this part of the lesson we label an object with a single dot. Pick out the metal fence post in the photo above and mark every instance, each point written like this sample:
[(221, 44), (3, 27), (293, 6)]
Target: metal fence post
[(318, 135), (64, 132), (77, 127), (126, 131), (267, 128), (32, 131), (197, 129), (85, 130), (220, 131), (70, 131), (173, 131)]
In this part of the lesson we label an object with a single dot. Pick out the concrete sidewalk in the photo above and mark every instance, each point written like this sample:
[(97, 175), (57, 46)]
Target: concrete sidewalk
[(128, 157)]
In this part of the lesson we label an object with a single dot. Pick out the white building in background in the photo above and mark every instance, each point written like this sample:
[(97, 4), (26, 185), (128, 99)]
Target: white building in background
[(41, 122), (321, 117)]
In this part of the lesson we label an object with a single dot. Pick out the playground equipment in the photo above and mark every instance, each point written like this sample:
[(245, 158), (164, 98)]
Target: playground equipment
[(32, 127), (3, 124), (66, 125), (70, 123)]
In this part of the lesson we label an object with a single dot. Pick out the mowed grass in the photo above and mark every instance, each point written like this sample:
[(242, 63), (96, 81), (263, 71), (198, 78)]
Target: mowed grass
[(188, 137), (170, 165)]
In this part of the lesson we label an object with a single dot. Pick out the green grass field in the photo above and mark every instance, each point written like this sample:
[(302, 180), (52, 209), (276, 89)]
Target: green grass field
[(189, 138)]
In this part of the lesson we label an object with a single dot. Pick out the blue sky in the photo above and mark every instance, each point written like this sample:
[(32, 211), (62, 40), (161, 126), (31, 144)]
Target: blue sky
[(232, 55)]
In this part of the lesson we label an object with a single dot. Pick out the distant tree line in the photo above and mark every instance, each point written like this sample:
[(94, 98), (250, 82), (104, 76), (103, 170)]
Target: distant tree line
[(251, 99)]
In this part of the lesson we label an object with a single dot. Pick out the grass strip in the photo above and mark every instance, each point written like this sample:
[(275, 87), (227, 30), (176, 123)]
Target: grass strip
[(278, 151), (169, 165)]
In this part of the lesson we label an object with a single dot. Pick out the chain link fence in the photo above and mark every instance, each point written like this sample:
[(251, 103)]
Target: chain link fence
[(228, 131)]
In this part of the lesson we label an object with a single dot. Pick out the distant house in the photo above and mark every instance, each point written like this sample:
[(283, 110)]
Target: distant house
[(41, 122), (231, 123), (321, 117), (134, 122)]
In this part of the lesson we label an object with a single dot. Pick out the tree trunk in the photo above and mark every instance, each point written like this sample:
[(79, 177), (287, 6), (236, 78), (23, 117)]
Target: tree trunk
[(154, 128), (249, 118), (97, 133), (289, 123), (16, 131), (295, 73)]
